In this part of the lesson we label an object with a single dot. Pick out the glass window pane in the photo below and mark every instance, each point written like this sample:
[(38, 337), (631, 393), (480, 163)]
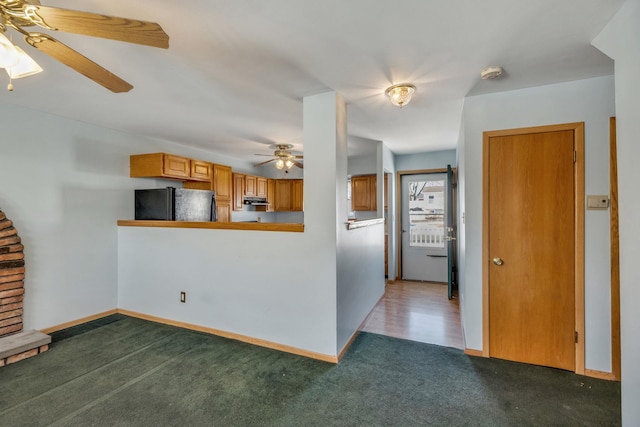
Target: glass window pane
[(426, 214)]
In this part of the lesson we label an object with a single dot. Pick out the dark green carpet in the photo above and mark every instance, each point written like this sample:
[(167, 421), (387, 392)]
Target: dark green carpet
[(122, 371)]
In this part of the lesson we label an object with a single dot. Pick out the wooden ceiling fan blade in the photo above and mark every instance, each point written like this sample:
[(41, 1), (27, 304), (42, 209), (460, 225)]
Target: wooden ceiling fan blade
[(103, 26), (78, 62), (264, 163), (298, 164)]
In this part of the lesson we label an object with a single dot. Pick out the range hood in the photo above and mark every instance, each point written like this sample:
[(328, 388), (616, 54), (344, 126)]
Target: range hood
[(255, 201)]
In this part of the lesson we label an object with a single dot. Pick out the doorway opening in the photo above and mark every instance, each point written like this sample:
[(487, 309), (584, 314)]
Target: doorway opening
[(427, 227), (424, 308)]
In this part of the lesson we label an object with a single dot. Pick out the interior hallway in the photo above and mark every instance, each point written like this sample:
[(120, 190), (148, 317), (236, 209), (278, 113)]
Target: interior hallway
[(417, 311)]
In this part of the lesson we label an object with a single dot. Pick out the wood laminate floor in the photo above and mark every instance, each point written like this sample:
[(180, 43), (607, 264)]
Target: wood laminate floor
[(417, 311)]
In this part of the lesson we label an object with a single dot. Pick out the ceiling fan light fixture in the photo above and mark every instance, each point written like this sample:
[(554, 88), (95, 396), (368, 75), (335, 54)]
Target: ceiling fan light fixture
[(25, 67), (288, 163), (9, 55), (400, 94), (280, 164)]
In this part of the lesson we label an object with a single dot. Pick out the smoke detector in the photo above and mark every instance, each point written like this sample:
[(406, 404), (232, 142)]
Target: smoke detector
[(491, 72)]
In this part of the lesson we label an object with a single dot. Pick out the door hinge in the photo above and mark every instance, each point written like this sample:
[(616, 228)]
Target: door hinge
[(575, 335), (575, 156)]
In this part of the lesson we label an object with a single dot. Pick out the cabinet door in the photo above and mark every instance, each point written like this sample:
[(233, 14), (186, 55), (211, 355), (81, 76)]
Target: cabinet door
[(261, 186), (224, 211), (249, 185), (222, 183), (175, 166), (271, 195), (297, 193), (283, 195), (361, 193), (238, 191), (373, 184), (201, 170)]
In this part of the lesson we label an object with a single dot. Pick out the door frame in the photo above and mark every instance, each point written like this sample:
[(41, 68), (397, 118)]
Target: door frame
[(616, 370), (578, 203), (399, 176)]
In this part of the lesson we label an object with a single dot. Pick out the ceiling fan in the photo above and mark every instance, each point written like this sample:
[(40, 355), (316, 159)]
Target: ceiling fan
[(283, 157), (18, 14)]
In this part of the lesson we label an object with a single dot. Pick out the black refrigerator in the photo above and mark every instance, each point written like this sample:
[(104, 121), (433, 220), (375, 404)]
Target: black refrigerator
[(175, 204)]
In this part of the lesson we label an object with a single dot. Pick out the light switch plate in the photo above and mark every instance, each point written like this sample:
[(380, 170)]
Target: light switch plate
[(598, 202)]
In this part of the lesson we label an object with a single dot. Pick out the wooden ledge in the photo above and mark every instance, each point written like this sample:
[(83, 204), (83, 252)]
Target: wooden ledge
[(255, 226), (18, 343)]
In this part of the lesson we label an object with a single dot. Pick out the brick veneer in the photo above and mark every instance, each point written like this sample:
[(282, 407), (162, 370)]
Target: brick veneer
[(12, 287)]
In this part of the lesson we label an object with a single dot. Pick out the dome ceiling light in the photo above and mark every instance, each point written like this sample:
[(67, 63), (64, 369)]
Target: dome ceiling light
[(400, 94)]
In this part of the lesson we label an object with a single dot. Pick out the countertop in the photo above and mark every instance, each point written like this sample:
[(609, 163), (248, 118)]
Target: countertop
[(256, 226)]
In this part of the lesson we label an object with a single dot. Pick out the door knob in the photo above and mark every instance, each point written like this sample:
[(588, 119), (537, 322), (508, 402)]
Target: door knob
[(498, 261)]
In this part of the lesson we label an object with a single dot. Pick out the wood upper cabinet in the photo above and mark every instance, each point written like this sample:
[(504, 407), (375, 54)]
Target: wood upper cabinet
[(261, 186), (249, 185), (271, 195), (283, 194), (361, 191), (201, 170), (179, 167), (163, 165), (289, 195), (373, 185), (238, 191), (297, 195), (222, 184)]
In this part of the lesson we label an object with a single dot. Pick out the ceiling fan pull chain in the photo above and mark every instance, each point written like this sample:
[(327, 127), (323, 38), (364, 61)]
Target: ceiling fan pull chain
[(10, 85)]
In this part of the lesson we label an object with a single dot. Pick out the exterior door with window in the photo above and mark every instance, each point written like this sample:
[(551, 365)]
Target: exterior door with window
[(424, 249)]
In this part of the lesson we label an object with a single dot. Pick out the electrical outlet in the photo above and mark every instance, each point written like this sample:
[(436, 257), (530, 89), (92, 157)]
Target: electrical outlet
[(183, 297)]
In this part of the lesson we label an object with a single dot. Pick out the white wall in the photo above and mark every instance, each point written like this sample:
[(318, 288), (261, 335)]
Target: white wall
[(65, 184), (268, 285), (621, 40), (428, 160), (590, 101)]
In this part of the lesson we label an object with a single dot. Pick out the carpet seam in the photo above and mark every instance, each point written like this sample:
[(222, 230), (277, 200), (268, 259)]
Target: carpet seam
[(71, 381), (112, 393)]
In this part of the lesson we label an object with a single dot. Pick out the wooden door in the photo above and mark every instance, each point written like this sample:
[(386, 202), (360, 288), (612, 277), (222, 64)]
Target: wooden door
[(530, 253)]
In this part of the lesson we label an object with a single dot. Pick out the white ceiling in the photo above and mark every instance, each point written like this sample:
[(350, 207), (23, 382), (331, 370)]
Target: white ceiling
[(234, 76)]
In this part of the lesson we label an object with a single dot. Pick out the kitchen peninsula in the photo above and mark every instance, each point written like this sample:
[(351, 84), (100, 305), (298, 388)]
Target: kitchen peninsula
[(256, 226), (305, 291)]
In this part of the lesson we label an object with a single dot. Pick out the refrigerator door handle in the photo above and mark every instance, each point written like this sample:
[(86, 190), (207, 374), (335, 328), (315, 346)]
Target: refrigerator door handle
[(214, 208)]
